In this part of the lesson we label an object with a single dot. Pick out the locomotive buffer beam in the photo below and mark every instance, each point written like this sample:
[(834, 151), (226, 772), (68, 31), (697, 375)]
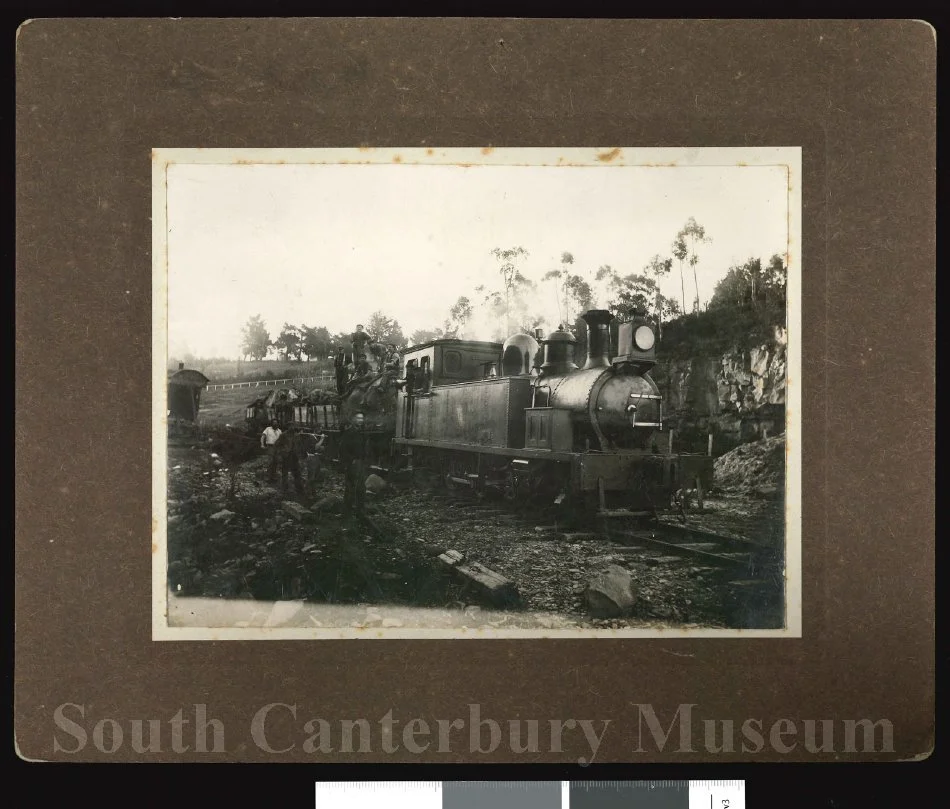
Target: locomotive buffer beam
[(603, 511)]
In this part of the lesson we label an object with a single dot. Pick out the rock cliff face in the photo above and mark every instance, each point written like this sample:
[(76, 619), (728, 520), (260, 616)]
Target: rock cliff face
[(739, 396)]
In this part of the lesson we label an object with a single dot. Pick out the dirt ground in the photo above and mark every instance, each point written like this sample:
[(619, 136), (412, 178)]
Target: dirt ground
[(250, 548)]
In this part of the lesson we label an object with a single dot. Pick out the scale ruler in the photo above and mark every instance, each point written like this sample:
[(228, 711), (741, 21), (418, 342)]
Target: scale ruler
[(530, 795)]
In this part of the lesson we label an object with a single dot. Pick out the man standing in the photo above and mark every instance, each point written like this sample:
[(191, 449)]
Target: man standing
[(353, 449), (269, 442), (339, 365), (359, 339), (287, 449), (315, 462)]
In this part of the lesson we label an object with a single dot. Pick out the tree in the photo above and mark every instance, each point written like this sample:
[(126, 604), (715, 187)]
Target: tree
[(571, 288), (420, 336), (639, 291), (680, 252), (634, 292), (341, 340), (384, 329), (256, 340), (288, 342), (513, 281), (775, 278), (687, 239), (749, 283), (315, 342), (559, 276), (459, 316), (732, 290), (659, 267)]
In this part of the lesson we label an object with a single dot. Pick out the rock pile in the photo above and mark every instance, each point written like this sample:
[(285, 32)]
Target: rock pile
[(756, 468)]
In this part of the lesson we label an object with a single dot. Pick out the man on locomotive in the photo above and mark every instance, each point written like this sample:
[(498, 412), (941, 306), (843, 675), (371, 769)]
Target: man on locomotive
[(359, 338), (353, 450), (362, 366), (393, 362)]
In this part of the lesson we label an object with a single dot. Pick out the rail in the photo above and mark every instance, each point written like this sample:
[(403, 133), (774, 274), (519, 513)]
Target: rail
[(268, 383)]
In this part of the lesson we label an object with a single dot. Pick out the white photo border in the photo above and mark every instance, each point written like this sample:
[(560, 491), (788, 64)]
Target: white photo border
[(606, 158)]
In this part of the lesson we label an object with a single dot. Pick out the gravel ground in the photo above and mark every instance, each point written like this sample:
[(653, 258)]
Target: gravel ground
[(250, 548)]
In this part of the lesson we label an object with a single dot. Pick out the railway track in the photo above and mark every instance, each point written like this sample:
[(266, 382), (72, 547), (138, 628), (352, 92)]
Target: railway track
[(748, 576), (733, 553)]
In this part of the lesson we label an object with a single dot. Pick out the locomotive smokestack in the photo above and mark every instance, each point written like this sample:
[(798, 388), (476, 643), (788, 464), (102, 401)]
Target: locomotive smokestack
[(598, 338)]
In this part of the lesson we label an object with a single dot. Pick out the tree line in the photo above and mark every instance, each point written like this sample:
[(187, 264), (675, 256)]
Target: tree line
[(512, 303), (313, 342)]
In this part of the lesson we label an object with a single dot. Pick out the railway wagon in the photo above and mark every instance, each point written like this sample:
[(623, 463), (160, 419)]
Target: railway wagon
[(324, 413), (490, 416)]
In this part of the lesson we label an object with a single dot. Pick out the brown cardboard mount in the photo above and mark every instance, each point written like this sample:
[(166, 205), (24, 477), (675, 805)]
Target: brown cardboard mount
[(96, 96)]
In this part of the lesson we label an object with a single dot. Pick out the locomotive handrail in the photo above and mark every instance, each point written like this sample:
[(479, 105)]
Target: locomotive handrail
[(632, 410)]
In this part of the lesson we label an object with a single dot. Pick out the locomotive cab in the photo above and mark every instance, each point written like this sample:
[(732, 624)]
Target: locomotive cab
[(451, 361)]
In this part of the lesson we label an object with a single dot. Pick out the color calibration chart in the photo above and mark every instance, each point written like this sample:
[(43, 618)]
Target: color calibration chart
[(531, 795)]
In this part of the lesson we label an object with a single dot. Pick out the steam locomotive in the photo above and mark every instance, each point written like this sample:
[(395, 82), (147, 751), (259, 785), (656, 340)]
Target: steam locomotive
[(525, 421), (591, 437)]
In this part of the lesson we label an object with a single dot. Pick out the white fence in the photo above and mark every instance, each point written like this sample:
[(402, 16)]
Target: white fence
[(271, 383)]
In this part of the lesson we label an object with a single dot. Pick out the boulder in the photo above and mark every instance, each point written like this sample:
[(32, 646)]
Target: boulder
[(224, 514), (610, 594), (295, 510), (376, 485), (329, 503), (759, 360), (431, 549)]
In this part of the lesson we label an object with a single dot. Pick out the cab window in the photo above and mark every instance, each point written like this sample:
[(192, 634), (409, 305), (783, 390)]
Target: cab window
[(452, 362)]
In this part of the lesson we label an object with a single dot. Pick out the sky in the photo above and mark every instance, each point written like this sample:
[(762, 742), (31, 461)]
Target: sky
[(327, 245)]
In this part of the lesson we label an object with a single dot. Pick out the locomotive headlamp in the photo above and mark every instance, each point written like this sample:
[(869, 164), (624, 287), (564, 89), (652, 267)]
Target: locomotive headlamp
[(644, 338)]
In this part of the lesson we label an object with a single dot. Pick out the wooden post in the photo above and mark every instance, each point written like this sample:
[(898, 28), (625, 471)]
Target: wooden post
[(671, 440), (709, 451)]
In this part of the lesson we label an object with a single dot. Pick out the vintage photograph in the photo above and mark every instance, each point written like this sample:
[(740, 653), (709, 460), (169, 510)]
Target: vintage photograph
[(476, 393)]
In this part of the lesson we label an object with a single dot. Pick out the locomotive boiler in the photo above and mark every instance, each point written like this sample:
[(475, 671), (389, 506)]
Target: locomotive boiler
[(587, 436)]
